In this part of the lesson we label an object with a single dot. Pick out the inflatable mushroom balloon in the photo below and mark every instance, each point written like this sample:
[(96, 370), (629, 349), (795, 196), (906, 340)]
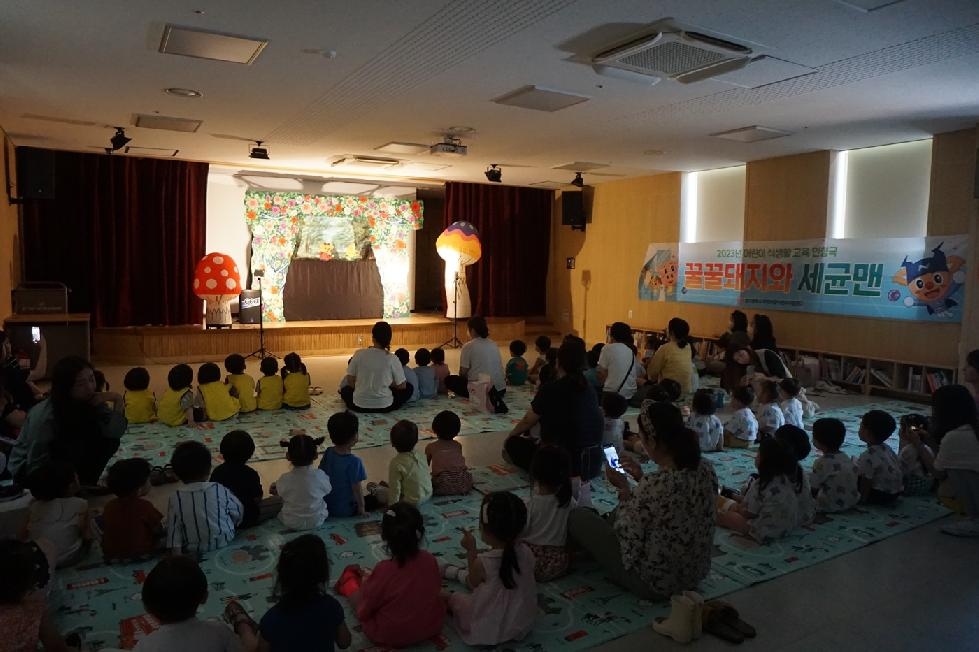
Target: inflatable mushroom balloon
[(458, 246), (216, 281)]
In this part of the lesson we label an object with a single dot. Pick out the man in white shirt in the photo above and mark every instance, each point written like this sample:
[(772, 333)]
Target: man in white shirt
[(480, 356)]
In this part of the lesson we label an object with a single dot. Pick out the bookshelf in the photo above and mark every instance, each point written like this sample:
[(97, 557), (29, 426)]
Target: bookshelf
[(867, 375)]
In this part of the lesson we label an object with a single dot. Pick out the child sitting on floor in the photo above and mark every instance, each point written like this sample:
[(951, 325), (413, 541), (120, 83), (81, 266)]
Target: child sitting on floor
[(295, 383), (769, 414), (427, 382), (243, 385), (172, 593), (270, 386), (788, 392), (345, 470), (304, 488), (408, 477), (176, 406), (834, 477), (441, 369), (548, 507), (57, 514), (410, 376), (305, 616), (703, 421), (140, 401), (450, 476), (916, 457), (215, 396), (541, 345), (614, 406), (591, 373), (516, 366), (201, 515), (25, 619), (548, 371), (742, 428), (237, 447), (400, 603), (879, 469), (503, 603), (797, 441), (132, 528), (767, 507)]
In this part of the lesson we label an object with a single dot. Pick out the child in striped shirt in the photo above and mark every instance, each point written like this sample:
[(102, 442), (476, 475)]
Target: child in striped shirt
[(202, 515)]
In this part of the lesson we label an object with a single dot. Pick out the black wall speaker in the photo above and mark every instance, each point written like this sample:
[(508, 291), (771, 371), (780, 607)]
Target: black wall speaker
[(572, 209), (35, 173)]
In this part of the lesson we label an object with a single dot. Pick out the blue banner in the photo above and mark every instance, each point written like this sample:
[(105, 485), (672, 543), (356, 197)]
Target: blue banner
[(919, 279)]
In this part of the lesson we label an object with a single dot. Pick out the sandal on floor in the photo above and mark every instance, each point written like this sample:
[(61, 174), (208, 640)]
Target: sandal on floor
[(730, 616), (160, 475), (236, 616), (714, 623), (315, 390)]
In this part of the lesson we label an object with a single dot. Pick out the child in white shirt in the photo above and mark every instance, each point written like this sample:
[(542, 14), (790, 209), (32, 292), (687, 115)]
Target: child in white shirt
[(916, 457), (834, 476), (767, 508), (881, 481), (703, 421), (797, 441), (548, 507), (770, 417), (788, 392), (742, 428), (56, 514), (303, 489)]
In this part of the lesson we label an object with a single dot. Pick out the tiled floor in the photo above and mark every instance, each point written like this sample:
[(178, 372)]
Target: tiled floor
[(913, 591)]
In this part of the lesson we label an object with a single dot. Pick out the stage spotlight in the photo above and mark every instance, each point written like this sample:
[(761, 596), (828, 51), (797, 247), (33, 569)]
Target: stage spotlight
[(119, 140), (494, 173), (258, 151), (578, 182)]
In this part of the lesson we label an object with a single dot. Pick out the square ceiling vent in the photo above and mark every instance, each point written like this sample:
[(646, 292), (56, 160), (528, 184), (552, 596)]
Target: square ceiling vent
[(752, 134), (153, 121), (395, 147), (205, 44), (541, 99)]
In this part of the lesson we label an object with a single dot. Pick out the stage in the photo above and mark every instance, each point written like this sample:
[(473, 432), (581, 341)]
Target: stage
[(191, 343)]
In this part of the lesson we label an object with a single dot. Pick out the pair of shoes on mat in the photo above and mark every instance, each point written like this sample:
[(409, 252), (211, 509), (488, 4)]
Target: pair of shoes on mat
[(967, 527), (723, 621), (685, 621)]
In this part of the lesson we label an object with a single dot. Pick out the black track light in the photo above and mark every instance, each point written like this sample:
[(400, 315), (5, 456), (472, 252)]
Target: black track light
[(494, 173), (578, 182), (119, 140), (258, 151)]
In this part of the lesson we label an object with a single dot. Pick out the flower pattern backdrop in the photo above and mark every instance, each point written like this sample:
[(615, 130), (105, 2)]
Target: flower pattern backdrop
[(279, 221)]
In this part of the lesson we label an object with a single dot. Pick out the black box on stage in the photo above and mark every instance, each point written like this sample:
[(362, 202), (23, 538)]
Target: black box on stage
[(249, 307), (573, 209)]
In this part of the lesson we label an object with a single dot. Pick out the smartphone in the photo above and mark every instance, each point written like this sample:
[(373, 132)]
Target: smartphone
[(612, 458), (36, 334)]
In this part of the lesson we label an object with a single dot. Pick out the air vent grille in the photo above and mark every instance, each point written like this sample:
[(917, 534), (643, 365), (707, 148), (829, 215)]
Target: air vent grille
[(672, 59)]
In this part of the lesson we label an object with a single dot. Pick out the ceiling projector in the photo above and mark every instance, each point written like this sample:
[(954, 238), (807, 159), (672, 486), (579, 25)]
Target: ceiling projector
[(448, 148)]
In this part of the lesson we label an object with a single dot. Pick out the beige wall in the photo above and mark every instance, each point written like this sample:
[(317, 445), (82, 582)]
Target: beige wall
[(785, 199), (9, 244)]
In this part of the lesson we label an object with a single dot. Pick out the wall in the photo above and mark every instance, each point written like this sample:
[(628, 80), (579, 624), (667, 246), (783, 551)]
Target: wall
[(9, 236), (785, 198)]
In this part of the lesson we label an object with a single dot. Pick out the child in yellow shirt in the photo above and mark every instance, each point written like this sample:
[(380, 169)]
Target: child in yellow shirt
[(243, 385)]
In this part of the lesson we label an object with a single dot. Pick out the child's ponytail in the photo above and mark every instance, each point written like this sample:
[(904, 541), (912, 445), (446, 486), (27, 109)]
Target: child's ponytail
[(505, 516), (551, 468)]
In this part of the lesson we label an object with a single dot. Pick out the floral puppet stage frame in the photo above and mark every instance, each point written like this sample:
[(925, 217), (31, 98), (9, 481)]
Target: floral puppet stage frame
[(287, 225)]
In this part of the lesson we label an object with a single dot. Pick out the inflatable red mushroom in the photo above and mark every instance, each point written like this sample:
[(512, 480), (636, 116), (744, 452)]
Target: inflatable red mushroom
[(216, 280)]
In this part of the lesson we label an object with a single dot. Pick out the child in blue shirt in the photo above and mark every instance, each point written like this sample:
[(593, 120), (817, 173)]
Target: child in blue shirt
[(516, 368), (345, 470), (428, 384), (410, 376)]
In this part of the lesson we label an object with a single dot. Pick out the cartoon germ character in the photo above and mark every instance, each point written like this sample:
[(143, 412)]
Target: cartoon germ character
[(931, 281)]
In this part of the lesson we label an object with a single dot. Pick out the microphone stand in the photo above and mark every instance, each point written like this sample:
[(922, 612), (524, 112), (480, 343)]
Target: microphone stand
[(261, 353)]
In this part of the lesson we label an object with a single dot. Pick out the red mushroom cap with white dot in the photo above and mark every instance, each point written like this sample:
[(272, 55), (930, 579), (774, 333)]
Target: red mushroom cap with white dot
[(216, 275)]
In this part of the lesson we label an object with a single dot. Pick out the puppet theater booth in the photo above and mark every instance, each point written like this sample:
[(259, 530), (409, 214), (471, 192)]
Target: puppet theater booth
[(328, 264)]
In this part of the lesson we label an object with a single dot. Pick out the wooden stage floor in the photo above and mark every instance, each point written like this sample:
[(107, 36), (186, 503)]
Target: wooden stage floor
[(191, 343)]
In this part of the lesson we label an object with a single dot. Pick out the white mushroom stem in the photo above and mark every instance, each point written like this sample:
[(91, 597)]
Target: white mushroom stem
[(217, 309), (464, 309)]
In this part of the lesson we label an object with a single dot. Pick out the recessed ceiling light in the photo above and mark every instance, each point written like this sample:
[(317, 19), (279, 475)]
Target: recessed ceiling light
[(183, 92), (752, 134), (395, 147)]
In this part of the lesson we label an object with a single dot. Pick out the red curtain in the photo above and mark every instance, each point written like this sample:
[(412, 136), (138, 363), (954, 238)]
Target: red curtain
[(514, 227), (124, 234)]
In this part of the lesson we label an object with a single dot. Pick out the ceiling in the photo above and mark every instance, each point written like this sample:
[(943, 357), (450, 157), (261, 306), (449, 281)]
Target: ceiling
[(407, 71)]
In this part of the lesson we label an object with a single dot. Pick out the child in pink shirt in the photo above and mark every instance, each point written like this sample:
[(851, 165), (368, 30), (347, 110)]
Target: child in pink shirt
[(399, 603), (441, 369), (450, 476)]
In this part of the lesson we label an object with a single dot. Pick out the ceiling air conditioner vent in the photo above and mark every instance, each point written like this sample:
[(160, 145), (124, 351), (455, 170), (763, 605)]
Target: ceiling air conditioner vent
[(366, 162), (683, 56)]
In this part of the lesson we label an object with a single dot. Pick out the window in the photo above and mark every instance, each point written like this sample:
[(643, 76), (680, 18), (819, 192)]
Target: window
[(712, 205), (881, 191)]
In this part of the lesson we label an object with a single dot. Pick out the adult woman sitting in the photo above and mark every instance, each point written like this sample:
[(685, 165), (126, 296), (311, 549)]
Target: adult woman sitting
[(955, 429), (660, 538), (375, 380), (759, 363), (762, 333), (618, 369), (569, 416), (736, 337), (480, 356), (674, 360), (75, 424)]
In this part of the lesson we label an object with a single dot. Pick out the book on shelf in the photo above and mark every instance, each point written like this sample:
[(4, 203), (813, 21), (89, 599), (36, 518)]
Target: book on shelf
[(915, 382), (831, 369), (882, 378), (856, 375)]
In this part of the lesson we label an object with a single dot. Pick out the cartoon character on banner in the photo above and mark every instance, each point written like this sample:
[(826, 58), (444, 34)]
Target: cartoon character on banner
[(658, 278), (932, 281)]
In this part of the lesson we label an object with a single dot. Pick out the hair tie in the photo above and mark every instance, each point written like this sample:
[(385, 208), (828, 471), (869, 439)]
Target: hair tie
[(390, 513)]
